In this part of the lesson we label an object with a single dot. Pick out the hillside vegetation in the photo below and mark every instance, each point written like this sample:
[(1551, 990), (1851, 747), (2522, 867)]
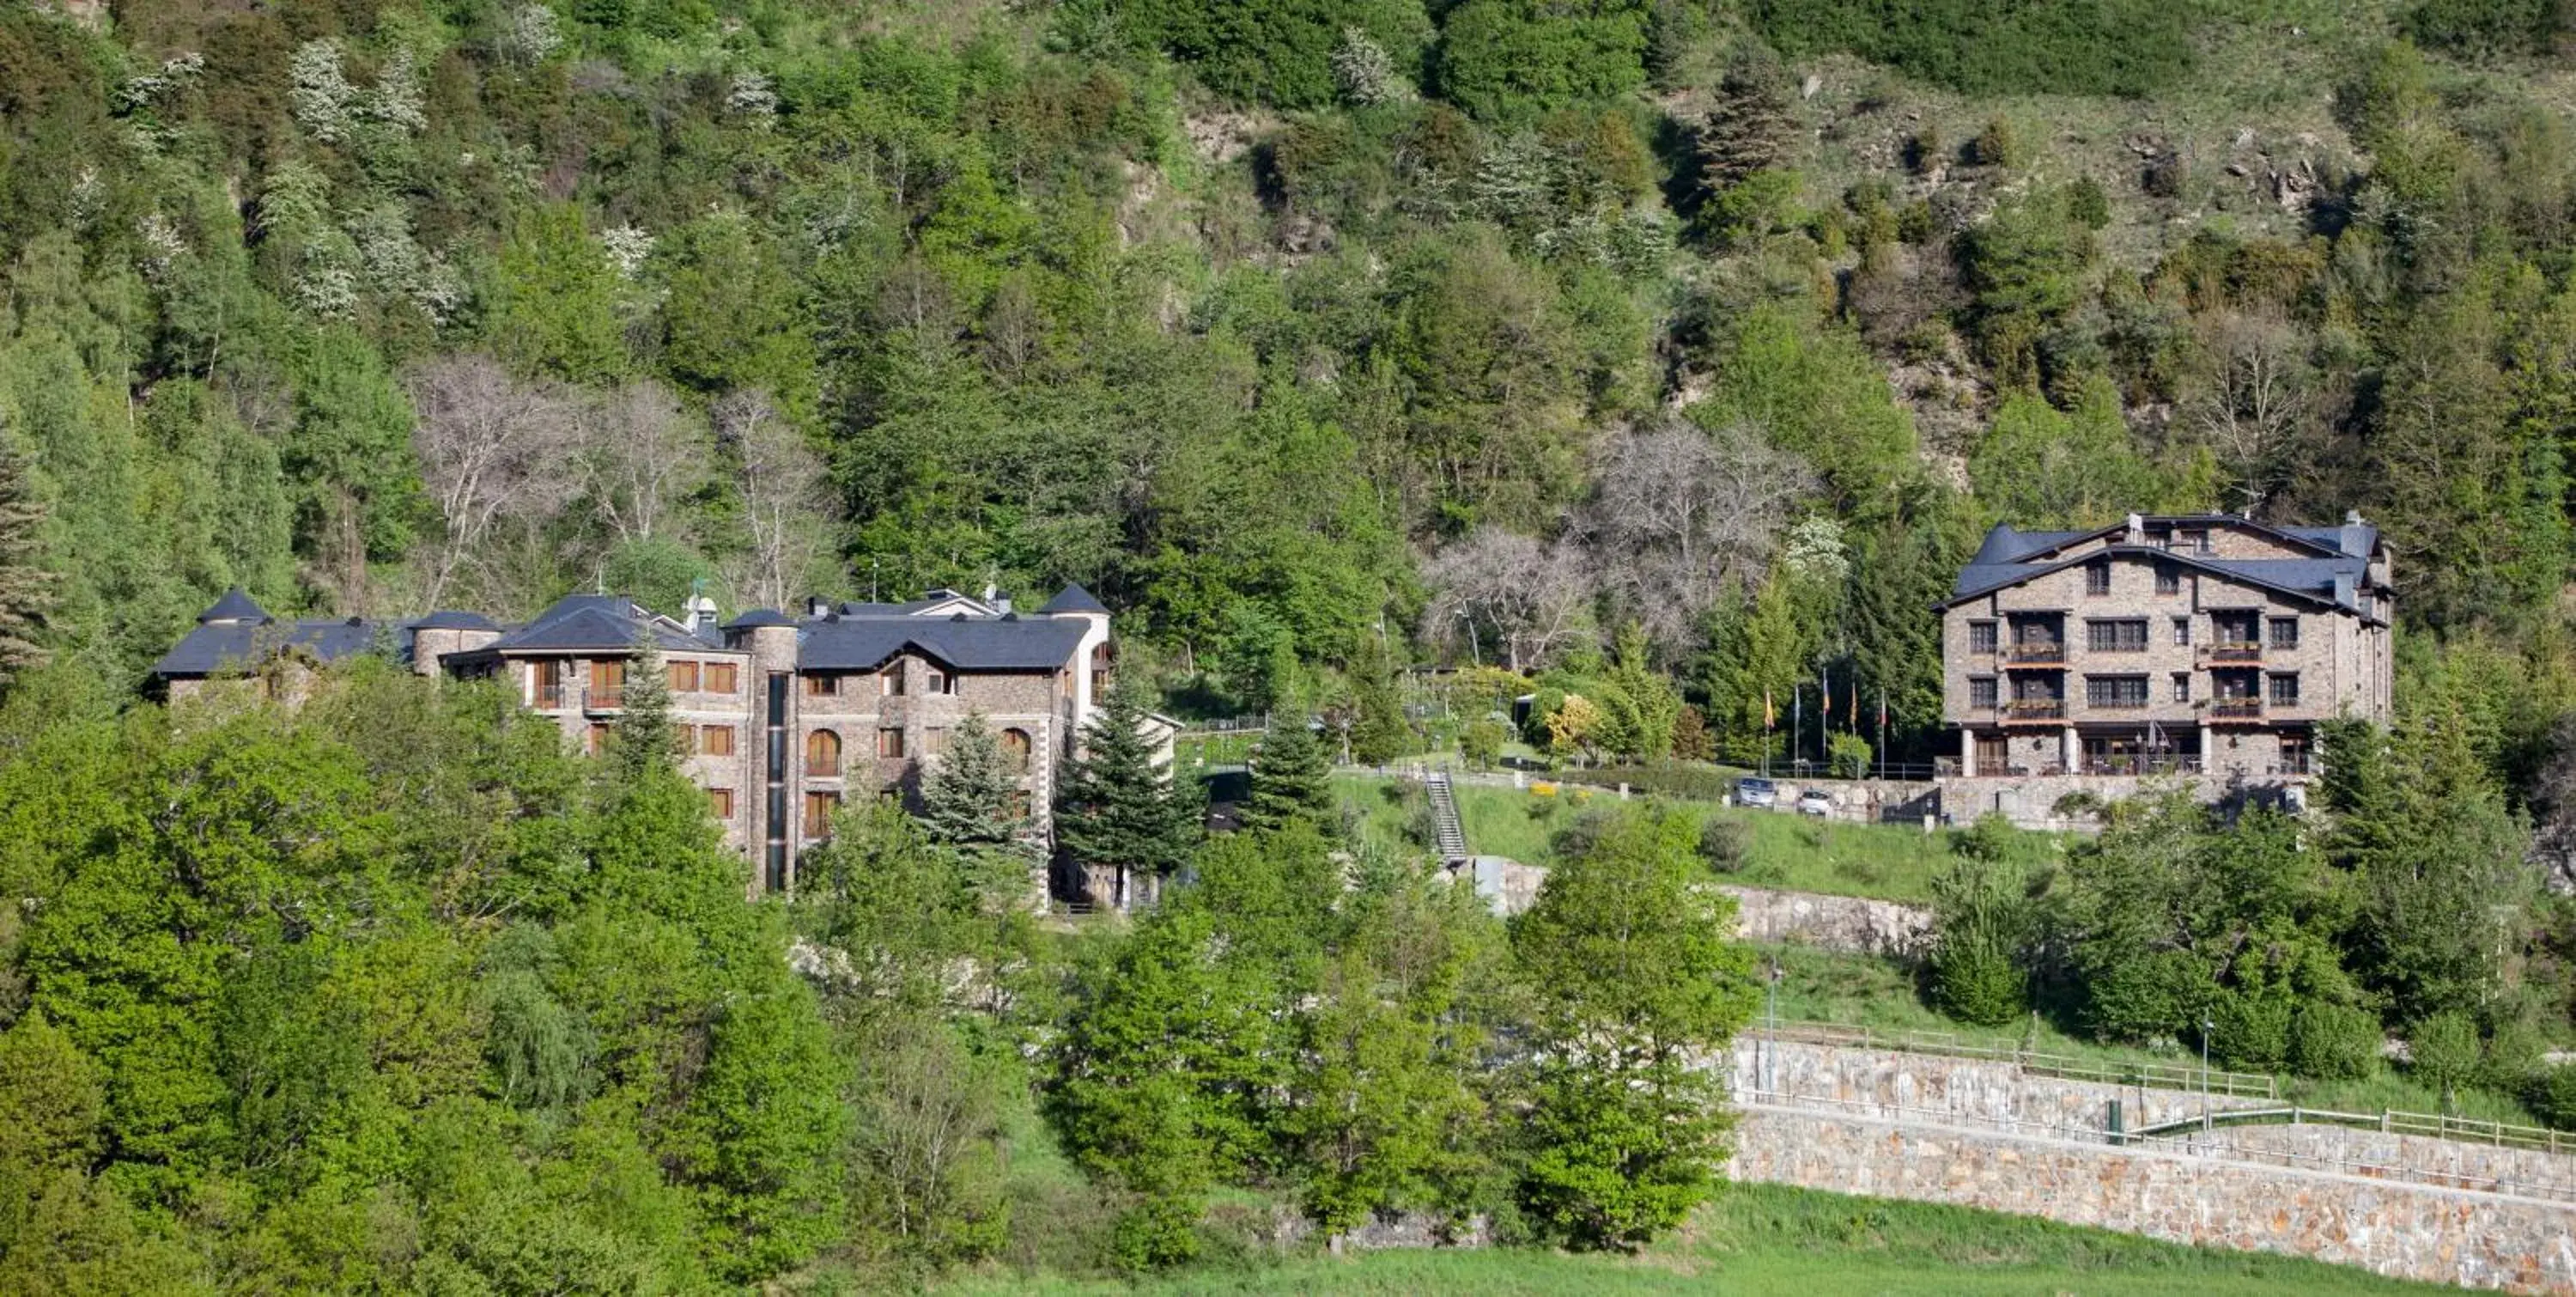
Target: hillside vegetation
[(1648, 358)]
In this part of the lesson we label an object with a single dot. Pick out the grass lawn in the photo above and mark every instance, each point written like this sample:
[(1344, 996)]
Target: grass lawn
[(1890, 862), (1768, 1239)]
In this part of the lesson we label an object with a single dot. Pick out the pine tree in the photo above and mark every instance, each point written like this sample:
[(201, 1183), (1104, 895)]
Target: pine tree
[(1291, 780), (1749, 128), (966, 798), (1118, 806), (26, 588), (645, 737), (1379, 733)]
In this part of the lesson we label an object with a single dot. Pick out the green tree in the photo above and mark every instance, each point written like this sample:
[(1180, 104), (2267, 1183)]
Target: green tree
[(1632, 980), (26, 588), (969, 796), (1379, 730), (1291, 781), (555, 311), (1981, 918), (1118, 806), (645, 739)]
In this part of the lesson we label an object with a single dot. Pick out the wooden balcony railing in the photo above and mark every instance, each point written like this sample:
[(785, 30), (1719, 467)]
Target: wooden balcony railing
[(2236, 709), (550, 697), (2034, 709), (2235, 651), (2027, 655)]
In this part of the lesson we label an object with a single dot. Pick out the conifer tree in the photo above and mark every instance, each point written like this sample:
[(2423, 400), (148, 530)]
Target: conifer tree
[(26, 588), (1749, 127), (1379, 733), (1118, 806), (645, 737), (966, 798), (1291, 780)]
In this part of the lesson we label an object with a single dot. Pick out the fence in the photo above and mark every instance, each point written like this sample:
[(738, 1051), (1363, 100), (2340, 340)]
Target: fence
[(2067, 1067), (2387, 1122), (2563, 1191)]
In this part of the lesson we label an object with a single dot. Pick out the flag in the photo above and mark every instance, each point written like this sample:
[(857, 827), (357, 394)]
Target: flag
[(1825, 692), (1851, 714), (1770, 714)]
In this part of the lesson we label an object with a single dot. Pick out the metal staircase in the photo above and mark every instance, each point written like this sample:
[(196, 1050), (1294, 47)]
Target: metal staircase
[(1451, 836)]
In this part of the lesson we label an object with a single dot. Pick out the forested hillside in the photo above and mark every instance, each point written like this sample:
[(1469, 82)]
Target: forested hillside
[(1486, 326)]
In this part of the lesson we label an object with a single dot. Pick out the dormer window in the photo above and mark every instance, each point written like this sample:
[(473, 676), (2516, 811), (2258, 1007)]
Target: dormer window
[(938, 681), (890, 681)]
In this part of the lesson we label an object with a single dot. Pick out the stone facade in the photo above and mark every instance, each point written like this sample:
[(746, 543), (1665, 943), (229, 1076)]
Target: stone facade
[(1853, 924), (783, 719), (2205, 645)]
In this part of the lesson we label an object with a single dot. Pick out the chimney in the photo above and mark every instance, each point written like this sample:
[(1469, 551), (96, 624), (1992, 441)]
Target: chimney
[(2352, 517), (2137, 532), (817, 605), (702, 616)]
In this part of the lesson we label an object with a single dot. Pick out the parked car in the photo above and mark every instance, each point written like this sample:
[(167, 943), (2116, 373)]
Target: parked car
[(1750, 791), (1815, 802)]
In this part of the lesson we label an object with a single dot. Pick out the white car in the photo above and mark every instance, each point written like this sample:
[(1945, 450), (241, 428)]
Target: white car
[(1814, 801)]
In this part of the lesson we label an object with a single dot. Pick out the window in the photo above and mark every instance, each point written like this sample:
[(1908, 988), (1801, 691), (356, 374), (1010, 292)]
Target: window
[(720, 678), (2115, 691), (1015, 749), (2097, 578), (2182, 686), (2285, 689), (2182, 631), (608, 682), (890, 681), (1981, 692), (720, 803), (934, 741), (822, 686), (2116, 636), (595, 739), (939, 682), (2168, 579), (818, 814), (890, 742), (2285, 632), (1981, 637), (2296, 755), (546, 683), (823, 755), (715, 740), (684, 677)]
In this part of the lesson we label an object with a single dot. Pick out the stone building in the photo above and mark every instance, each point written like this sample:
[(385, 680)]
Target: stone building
[(2205, 645), (782, 718)]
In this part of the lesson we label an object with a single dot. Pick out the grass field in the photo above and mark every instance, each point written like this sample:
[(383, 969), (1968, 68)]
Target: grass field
[(1765, 1239), (1889, 862)]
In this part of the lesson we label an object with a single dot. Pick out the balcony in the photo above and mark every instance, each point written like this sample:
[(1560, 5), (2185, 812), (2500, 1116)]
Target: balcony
[(2034, 711), (606, 698), (2154, 764), (550, 698), (2242, 652), (2236, 709), (2034, 655)]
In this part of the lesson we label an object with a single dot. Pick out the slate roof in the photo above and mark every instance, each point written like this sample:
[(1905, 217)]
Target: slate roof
[(449, 619), (1074, 598), (2333, 577), (1007, 643), (215, 648), (595, 622), (234, 606)]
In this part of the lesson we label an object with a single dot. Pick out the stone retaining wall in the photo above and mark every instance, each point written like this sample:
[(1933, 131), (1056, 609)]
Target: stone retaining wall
[(2441, 1235), (2458, 1163), (1852, 924), (1892, 1084)]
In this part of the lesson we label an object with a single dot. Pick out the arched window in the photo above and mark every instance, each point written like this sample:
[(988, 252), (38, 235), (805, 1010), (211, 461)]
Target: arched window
[(1015, 748), (823, 754)]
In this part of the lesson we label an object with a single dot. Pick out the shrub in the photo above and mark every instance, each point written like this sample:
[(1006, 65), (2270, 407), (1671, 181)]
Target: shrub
[(1998, 145), (1847, 756), (2336, 1042), (2442, 1051), (2512, 1056), (1723, 843), (1482, 743), (2112, 47), (2161, 994), (2484, 26), (1980, 919), (2088, 204), (2251, 1031), (2551, 1094)]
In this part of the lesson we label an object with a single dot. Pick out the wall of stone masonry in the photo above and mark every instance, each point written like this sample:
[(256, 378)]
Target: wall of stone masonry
[(2457, 1163), (1886, 1083), (2440, 1235)]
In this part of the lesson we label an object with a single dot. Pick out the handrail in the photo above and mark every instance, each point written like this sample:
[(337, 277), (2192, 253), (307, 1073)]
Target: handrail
[(2161, 1076), (2386, 1121)]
